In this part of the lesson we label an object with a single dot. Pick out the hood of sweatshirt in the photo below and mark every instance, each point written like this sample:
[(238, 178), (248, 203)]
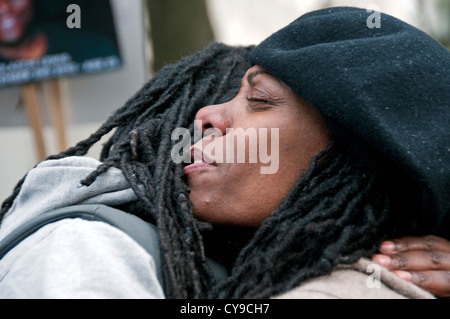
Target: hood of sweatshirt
[(56, 184)]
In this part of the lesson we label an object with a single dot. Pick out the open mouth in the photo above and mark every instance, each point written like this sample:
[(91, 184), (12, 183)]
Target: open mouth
[(199, 160), (7, 22)]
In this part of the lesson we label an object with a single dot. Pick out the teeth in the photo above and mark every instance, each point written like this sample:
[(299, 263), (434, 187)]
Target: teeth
[(198, 162), (8, 22)]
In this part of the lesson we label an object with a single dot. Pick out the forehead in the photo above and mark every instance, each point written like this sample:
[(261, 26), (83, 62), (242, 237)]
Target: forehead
[(256, 73)]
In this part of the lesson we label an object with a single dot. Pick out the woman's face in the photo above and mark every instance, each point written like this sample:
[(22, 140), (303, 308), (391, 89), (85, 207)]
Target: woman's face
[(15, 15), (278, 123)]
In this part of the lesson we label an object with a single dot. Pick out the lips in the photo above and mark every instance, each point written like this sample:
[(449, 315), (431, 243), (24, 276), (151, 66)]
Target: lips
[(199, 160)]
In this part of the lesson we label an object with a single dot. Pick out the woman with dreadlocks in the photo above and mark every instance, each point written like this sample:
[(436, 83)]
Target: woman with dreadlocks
[(361, 117)]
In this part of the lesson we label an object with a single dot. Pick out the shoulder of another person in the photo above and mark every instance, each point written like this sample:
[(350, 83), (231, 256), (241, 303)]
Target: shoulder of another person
[(362, 280), (97, 245), (145, 234)]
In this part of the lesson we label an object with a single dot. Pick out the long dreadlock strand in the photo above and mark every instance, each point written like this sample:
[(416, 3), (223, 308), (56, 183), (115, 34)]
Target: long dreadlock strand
[(338, 213), (170, 100)]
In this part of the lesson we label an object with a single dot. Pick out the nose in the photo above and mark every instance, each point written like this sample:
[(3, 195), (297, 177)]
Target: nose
[(214, 116), (5, 7)]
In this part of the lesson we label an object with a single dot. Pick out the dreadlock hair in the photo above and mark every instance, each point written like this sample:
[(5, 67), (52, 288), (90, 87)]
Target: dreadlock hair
[(339, 211), (141, 147)]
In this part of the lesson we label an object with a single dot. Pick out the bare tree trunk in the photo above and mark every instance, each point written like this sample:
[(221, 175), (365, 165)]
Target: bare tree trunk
[(440, 9), (178, 28), (445, 7)]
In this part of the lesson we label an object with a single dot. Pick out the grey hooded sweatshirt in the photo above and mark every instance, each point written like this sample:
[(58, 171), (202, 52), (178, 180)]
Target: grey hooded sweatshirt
[(74, 258)]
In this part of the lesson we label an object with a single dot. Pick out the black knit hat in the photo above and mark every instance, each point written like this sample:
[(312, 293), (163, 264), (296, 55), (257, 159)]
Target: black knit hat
[(386, 91)]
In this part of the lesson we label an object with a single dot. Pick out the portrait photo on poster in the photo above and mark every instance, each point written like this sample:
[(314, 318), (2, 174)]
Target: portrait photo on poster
[(48, 39)]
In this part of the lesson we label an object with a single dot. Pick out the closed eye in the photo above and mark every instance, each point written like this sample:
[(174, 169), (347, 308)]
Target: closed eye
[(256, 100), (258, 105)]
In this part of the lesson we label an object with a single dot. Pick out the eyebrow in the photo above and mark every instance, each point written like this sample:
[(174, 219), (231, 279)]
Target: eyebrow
[(253, 75)]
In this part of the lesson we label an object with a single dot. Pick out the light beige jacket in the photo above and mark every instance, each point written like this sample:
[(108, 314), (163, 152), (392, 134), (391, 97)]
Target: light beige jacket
[(362, 280)]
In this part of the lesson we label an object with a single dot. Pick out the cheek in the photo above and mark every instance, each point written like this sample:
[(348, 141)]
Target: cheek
[(240, 197), (300, 143), (21, 6), (295, 158)]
